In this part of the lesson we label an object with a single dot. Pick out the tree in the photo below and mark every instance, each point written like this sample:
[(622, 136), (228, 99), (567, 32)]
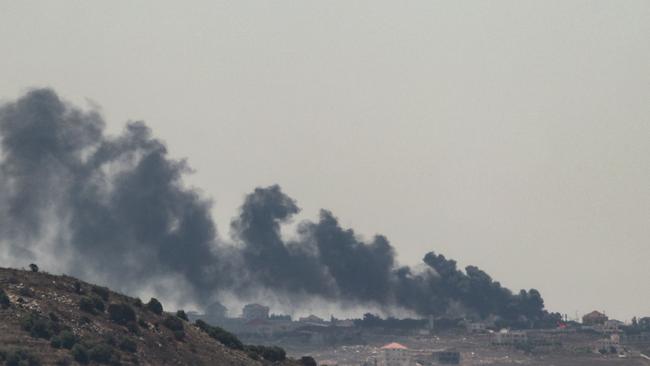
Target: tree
[(4, 299), (182, 315), (80, 353), (102, 292), (226, 338), (101, 353), (173, 323), (308, 361), (155, 306), (121, 313)]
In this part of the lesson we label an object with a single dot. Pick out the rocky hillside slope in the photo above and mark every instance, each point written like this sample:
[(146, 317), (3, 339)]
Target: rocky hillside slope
[(59, 320)]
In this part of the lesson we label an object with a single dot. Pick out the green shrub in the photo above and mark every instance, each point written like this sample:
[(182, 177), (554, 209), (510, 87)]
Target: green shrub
[(19, 357), (92, 304), (179, 335), (110, 339), (77, 288), (127, 345), (55, 342), (181, 314), (87, 304), (226, 338), (80, 353), (41, 329), (121, 313), (63, 362), (98, 303), (102, 292), (173, 323), (137, 302), (68, 339), (176, 326), (155, 306), (33, 267), (38, 326), (269, 353), (101, 353), (5, 302), (274, 354), (133, 327)]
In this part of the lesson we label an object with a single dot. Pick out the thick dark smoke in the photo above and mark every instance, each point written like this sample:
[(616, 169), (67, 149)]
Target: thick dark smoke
[(115, 209), (272, 263), (333, 263)]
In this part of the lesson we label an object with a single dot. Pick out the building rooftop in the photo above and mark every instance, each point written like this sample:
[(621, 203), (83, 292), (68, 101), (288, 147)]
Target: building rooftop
[(595, 313), (394, 345)]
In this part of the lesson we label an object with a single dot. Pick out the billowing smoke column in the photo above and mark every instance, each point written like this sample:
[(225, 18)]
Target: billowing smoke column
[(331, 262), (115, 209), (112, 207)]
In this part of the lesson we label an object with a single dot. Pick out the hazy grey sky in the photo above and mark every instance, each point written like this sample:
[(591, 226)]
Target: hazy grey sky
[(513, 135)]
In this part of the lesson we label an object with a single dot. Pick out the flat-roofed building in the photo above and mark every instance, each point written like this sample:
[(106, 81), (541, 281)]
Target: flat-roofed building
[(394, 354)]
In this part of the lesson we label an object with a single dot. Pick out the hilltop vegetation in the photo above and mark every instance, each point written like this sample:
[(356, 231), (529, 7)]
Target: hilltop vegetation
[(59, 320)]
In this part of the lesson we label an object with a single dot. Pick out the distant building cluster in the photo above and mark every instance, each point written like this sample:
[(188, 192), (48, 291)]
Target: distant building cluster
[(597, 334), (397, 354)]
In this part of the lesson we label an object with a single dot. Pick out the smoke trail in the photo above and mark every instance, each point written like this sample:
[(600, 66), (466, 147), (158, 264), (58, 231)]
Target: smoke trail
[(115, 208)]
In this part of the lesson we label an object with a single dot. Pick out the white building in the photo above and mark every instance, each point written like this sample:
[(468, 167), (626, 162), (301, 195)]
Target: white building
[(394, 354), (609, 345), (509, 338), (609, 326)]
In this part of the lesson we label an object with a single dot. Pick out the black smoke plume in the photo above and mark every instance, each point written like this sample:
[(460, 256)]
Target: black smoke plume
[(115, 209)]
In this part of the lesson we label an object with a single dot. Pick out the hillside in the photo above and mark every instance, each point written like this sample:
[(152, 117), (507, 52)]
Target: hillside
[(59, 320)]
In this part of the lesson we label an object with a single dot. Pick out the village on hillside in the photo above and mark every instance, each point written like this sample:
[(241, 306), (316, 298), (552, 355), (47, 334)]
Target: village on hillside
[(592, 340)]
